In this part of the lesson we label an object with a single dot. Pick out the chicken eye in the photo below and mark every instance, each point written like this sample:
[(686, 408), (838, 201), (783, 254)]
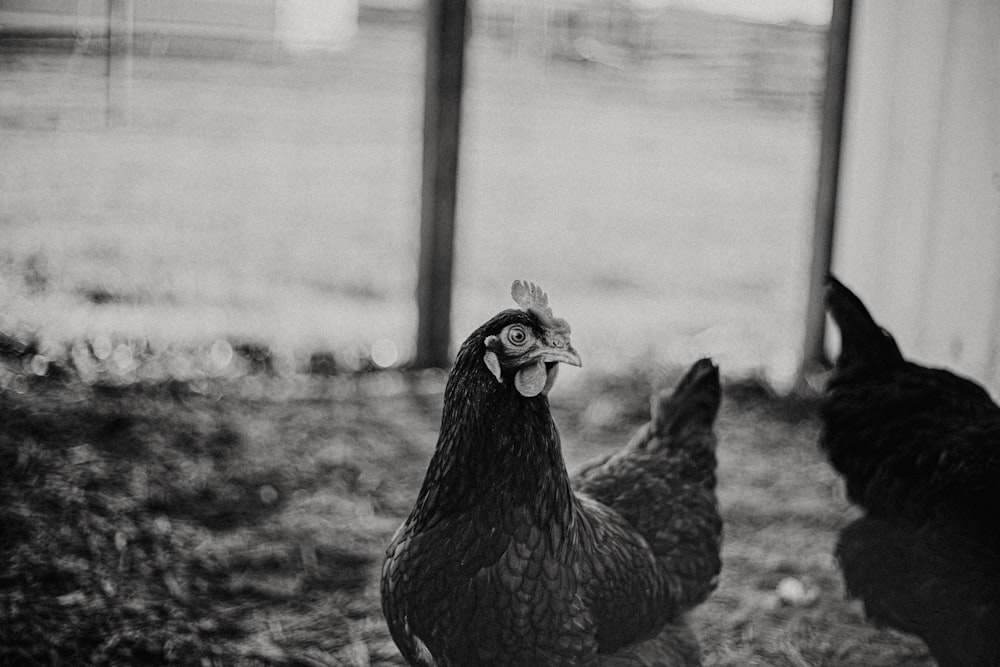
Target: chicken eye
[(516, 335)]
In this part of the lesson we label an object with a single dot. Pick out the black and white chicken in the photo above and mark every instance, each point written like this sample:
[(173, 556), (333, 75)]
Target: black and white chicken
[(506, 560)]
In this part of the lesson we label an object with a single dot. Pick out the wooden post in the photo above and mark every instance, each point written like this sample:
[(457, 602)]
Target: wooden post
[(446, 27), (813, 356)]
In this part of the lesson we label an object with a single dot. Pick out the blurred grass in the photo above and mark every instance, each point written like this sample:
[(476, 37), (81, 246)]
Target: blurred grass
[(663, 201), (228, 523)]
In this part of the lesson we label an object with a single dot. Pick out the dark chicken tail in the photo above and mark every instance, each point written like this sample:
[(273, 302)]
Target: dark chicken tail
[(861, 338), (663, 484), (693, 404)]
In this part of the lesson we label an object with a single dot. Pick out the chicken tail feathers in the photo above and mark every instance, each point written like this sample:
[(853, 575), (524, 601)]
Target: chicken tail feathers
[(862, 339), (693, 404)]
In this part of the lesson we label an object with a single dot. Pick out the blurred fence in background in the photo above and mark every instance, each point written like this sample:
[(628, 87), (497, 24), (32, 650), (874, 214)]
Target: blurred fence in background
[(187, 27), (651, 166), (613, 33)]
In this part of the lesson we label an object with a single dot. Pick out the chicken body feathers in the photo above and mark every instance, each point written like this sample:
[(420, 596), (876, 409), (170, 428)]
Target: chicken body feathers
[(503, 562), (937, 580)]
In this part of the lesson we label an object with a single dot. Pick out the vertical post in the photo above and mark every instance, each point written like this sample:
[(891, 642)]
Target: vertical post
[(127, 48), (108, 95), (446, 28), (826, 191), (118, 97)]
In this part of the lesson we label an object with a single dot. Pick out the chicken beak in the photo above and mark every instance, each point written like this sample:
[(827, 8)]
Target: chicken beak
[(564, 354), (538, 375)]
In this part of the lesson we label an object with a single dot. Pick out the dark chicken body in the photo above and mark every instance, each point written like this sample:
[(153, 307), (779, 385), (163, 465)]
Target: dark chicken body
[(919, 449), (505, 560)]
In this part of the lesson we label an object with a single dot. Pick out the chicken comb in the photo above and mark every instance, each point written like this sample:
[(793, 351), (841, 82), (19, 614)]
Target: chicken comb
[(530, 297)]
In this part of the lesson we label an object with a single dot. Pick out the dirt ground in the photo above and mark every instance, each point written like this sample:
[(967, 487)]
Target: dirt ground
[(242, 521)]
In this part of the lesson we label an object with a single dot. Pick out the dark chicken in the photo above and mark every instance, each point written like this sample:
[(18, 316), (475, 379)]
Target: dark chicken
[(919, 449), (506, 560)]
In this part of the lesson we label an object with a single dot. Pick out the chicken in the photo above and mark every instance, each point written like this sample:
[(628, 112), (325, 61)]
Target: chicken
[(507, 560), (919, 449)]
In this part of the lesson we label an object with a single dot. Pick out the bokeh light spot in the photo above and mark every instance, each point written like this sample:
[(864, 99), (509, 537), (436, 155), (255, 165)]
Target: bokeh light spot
[(221, 354), (39, 364), (102, 346), (268, 494), (123, 357), (384, 353)]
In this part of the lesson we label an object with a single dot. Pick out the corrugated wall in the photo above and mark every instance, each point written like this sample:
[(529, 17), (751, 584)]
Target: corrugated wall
[(918, 229)]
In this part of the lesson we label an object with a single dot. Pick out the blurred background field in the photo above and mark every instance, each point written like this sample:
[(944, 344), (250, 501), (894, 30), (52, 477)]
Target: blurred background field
[(657, 182)]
